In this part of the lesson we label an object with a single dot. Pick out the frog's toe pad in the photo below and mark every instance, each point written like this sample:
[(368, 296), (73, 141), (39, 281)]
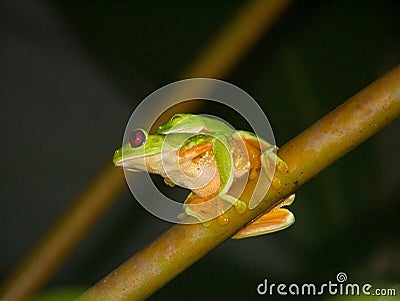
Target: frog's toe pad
[(240, 206)]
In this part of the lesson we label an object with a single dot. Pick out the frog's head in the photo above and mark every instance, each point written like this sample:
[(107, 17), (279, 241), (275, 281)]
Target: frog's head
[(144, 151), (141, 145)]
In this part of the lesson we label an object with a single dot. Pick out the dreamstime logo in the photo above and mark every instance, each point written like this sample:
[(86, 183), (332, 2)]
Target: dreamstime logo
[(338, 287), (174, 170), (341, 277)]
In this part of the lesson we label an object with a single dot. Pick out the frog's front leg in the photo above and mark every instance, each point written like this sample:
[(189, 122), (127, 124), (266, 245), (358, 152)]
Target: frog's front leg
[(205, 209)]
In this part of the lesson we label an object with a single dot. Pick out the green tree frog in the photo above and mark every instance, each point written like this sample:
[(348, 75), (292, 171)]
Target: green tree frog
[(208, 157)]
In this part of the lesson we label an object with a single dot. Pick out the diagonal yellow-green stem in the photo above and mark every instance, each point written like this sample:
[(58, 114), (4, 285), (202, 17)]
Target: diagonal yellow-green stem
[(307, 154)]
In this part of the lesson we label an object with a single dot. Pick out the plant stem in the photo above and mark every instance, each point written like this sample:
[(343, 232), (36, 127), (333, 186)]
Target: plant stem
[(307, 154)]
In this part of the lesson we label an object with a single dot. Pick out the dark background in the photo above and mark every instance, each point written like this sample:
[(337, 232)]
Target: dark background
[(72, 72)]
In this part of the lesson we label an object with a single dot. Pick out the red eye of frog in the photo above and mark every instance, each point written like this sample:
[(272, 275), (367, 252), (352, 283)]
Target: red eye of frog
[(137, 138)]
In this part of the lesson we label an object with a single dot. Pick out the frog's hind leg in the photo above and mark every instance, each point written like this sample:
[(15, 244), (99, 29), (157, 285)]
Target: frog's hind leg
[(269, 222), (271, 163)]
